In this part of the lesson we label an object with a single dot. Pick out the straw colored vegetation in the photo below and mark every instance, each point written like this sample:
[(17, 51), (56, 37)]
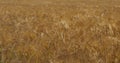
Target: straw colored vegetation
[(59, 32)]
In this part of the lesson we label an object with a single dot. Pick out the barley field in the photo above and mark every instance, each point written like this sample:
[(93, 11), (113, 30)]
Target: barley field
[(59, 31)]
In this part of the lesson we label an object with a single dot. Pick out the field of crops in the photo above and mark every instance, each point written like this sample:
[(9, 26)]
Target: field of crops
[(59, 31)]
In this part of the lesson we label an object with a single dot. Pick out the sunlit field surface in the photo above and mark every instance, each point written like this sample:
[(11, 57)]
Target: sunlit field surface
[(59, 31)]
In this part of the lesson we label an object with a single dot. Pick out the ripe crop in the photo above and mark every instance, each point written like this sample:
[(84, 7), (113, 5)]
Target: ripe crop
[(60, 32)]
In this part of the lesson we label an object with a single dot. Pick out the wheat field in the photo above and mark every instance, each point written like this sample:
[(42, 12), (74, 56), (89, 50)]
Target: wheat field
[(59, 31)]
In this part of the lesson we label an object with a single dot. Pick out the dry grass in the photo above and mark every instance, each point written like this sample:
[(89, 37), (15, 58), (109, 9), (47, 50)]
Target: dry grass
[(63, 33)]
